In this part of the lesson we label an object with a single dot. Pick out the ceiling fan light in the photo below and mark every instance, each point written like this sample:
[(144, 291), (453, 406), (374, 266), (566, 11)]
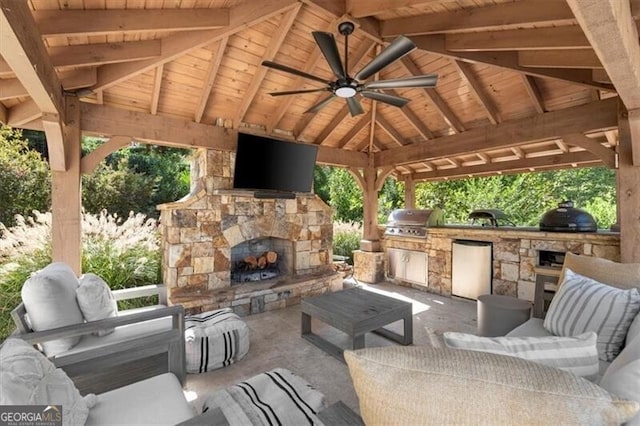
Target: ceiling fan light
[(345, 92)]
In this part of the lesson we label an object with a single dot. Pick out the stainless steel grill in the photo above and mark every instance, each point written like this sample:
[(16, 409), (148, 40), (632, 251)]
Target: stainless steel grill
[(413, 222)]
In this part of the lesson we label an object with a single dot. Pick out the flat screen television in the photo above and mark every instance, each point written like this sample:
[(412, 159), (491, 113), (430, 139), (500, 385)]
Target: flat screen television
[(266, 164)]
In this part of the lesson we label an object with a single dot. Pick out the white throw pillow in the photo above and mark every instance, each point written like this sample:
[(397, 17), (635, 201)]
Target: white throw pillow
[(583, 304), (634, 330), (622, 378), (49, 297), (577, 355), (28, 378), (96, 300)]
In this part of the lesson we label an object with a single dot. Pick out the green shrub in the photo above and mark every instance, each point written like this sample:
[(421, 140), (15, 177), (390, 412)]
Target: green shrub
[(124, 253), (346, 239)]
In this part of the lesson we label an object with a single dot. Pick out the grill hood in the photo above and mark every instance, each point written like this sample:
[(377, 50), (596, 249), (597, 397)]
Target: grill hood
[(416, 217), (567, 218)]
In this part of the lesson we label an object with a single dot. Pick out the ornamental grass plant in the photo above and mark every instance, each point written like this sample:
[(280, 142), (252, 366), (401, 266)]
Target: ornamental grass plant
[(125, 253)]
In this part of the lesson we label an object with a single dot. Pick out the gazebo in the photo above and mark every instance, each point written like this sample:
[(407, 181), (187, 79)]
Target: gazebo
[(522, 86)]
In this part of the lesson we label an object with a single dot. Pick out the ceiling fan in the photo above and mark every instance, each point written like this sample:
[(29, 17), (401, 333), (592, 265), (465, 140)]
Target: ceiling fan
[(346, 86)]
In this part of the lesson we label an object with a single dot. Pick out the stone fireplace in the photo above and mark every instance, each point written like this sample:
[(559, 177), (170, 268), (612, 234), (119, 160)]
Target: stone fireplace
[(210, 232)]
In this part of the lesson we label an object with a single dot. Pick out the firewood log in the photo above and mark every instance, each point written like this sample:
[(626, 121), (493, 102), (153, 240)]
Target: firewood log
[(262, 262), (251, 261), (271, 256)]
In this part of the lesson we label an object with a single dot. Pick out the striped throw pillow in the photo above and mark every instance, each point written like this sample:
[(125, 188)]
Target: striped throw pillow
[(583, 304), (577, 355)]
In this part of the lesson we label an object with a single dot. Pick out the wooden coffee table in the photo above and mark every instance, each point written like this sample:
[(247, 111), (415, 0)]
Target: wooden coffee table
[(355, 311)]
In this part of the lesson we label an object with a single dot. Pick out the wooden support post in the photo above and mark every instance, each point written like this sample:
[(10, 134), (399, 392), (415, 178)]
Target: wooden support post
[(370, 240), (66, 195), (628, 191), (409, 193)]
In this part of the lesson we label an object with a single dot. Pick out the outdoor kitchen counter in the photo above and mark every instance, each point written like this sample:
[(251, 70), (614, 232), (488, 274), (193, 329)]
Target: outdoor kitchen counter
[(515, 253)]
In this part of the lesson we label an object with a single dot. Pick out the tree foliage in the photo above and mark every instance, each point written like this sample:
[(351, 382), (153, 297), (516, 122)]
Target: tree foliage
[(25, 183)]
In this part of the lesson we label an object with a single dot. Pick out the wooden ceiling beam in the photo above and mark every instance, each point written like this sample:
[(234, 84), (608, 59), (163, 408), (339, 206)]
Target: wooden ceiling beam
[(5, 69), (23, 49), (22, 113), (607, 155), (434, 99), (176, 132), (274, 45), (415, 122), (333, 125), (550, 125), (567, 37), (505, 167), (212, 73), (534, 93), (354, 130), (241, 16), (573, 58), (74, 23), (363, 8), (467, 75), (155, 94), (611, 30), (508, 60), (103, 53), (389, 130), (499, 16), (11, 88)]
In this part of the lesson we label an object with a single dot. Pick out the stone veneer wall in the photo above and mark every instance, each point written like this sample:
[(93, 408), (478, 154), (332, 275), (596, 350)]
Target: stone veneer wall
[(515, 254), (199, 231)]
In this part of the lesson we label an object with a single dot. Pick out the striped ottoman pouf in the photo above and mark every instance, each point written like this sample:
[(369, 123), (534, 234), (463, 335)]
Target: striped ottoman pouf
[(214, 339)]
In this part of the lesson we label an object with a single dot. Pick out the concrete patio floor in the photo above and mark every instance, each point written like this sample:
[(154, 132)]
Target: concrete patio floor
[(275, 342)]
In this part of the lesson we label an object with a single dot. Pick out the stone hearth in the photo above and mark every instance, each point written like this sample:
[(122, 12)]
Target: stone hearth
[(201, 231)]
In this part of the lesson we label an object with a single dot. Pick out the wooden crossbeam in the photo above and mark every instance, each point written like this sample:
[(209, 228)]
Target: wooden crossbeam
[(155, 94), (333, 124), (241, 16), (508, 60), (72, 22), (274, 45), (23, 113), (568, 58), (415, 122), (550, 125), (90, 161), (103, 53), (498, 16), (467, 75), (566, 37), (605, 154), (354, 130), (11, 88), (389, 130), (504, 167), (534, 93), (362, 8)]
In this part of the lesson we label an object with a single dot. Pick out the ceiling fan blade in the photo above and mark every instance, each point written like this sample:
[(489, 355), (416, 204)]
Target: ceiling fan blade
[(354, 106), (295, 92), (317, 107), (416, 81), (290, 70), (327, 44), (396, 50), (383, 97)]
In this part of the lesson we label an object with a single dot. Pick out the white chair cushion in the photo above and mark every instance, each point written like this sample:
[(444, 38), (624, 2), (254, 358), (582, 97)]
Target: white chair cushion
[(583, 304), (158, 401), (28, 378), (577, 355), (96, 300), (49, 297), (622, 378), (634, 330)]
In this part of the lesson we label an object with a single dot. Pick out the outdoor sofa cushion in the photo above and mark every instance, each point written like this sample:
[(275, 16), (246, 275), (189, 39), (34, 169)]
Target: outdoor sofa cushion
[(425, 385), (96, 300), (49, 297)]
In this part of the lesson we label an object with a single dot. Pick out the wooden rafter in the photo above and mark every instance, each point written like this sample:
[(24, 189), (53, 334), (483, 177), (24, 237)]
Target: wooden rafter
[(550, 125), (529, 164), (23, 113), (104, 53), (354, 130), (389, 130), (574, 58), (508, 60), (362, 8), (155, 94), (241, 16), (333, 125), (11, 88), (533, 91), (567, 37), (561, 146), (467, 74), (434, 99), (22, 48), (415, 122), (71, 23), (274, 45), (502, 16), (212, 72)]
